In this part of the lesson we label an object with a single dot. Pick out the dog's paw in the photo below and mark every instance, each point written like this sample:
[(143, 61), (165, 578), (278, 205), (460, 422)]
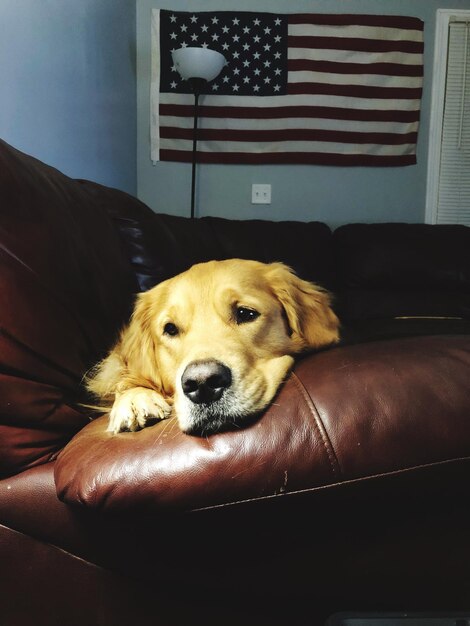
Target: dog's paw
[(133, 408)]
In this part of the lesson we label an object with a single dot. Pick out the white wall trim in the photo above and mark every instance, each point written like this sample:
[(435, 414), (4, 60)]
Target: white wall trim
[(443, 18)]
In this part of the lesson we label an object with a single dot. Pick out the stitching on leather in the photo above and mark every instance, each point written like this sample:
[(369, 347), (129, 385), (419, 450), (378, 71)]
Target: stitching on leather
[(333, 459)]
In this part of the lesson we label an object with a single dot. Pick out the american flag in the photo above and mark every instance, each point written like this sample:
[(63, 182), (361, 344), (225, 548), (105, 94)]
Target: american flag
[(297, 88)]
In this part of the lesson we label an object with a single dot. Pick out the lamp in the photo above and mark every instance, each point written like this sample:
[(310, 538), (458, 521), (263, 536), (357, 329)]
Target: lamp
[(198, 66)]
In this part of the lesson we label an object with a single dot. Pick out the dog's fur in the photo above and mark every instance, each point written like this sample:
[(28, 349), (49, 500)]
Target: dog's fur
[(236, 320)]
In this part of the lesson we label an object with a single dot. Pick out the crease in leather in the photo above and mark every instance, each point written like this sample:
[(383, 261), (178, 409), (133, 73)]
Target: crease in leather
[(340, 483), (40, 357), (54, 546), (327, 445), (51, 292)]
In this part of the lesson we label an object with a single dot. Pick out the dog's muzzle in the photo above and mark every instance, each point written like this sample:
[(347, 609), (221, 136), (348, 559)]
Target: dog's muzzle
[(204, 382), (212, 403)]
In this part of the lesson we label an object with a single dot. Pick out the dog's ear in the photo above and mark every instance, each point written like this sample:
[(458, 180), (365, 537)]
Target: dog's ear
[(132, 362), (137, 346), (311, 320)]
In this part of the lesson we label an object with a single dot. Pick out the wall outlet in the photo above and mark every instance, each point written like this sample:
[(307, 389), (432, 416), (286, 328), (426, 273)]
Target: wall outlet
[(260, 194)]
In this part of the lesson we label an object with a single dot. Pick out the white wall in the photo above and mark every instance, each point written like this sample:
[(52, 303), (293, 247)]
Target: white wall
[(331, 194), (67, 84)]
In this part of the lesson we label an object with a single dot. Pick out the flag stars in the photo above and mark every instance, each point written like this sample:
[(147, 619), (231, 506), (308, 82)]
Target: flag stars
[(253, 46)]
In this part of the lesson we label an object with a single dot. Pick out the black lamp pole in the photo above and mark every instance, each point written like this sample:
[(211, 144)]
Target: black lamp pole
[(193, 172), (197, 85)]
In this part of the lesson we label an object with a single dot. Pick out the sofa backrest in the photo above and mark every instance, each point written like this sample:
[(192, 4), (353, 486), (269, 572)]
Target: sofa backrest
[(161, 246), (65, 289), (394, 270), (376, 271)]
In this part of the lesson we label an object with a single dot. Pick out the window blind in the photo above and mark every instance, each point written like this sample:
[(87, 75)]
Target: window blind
[(453, 205)]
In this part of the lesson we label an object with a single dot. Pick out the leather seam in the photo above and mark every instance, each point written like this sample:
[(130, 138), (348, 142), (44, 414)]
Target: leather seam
[(331, 454), (54, 546)]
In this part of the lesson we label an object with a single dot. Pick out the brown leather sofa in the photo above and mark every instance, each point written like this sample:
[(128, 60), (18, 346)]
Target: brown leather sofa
[(348, 494)]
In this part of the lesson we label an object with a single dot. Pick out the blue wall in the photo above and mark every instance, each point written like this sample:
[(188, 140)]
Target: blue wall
[(331, 194), (67, 84)]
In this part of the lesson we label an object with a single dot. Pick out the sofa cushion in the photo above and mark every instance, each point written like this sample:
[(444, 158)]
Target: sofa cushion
[(61, 303), (390, 270), (347, 414), (161, 246)]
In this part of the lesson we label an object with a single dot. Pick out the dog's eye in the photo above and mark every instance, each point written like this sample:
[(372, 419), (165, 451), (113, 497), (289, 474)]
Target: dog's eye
[(170, 329), (243, 314)]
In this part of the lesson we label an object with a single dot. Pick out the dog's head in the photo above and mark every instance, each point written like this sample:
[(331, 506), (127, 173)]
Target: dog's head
[(220, 337)]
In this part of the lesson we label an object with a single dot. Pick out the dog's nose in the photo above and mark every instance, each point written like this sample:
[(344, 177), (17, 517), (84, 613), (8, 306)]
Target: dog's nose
[(204, 382)]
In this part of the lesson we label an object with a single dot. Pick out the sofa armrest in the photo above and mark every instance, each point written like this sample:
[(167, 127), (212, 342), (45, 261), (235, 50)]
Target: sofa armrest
[(347, 414)]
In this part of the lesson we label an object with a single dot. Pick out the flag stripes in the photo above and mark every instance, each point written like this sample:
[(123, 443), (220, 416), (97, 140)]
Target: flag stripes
[(289, 112), (295, 158), (361, 69), (350, 19), (350, 43), (293, 122)]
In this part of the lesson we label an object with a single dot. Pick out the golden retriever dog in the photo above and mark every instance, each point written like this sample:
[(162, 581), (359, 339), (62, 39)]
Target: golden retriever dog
[(212, 346)]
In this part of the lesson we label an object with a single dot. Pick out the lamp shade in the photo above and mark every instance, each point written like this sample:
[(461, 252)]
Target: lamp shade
[(198, 62)]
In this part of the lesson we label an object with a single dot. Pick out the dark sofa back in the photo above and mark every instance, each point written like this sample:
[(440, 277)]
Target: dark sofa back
[(161, 246), (376, 271), (394, 270)]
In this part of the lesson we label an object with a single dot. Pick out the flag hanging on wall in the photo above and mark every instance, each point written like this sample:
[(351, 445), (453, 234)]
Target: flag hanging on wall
[(297, 88)]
